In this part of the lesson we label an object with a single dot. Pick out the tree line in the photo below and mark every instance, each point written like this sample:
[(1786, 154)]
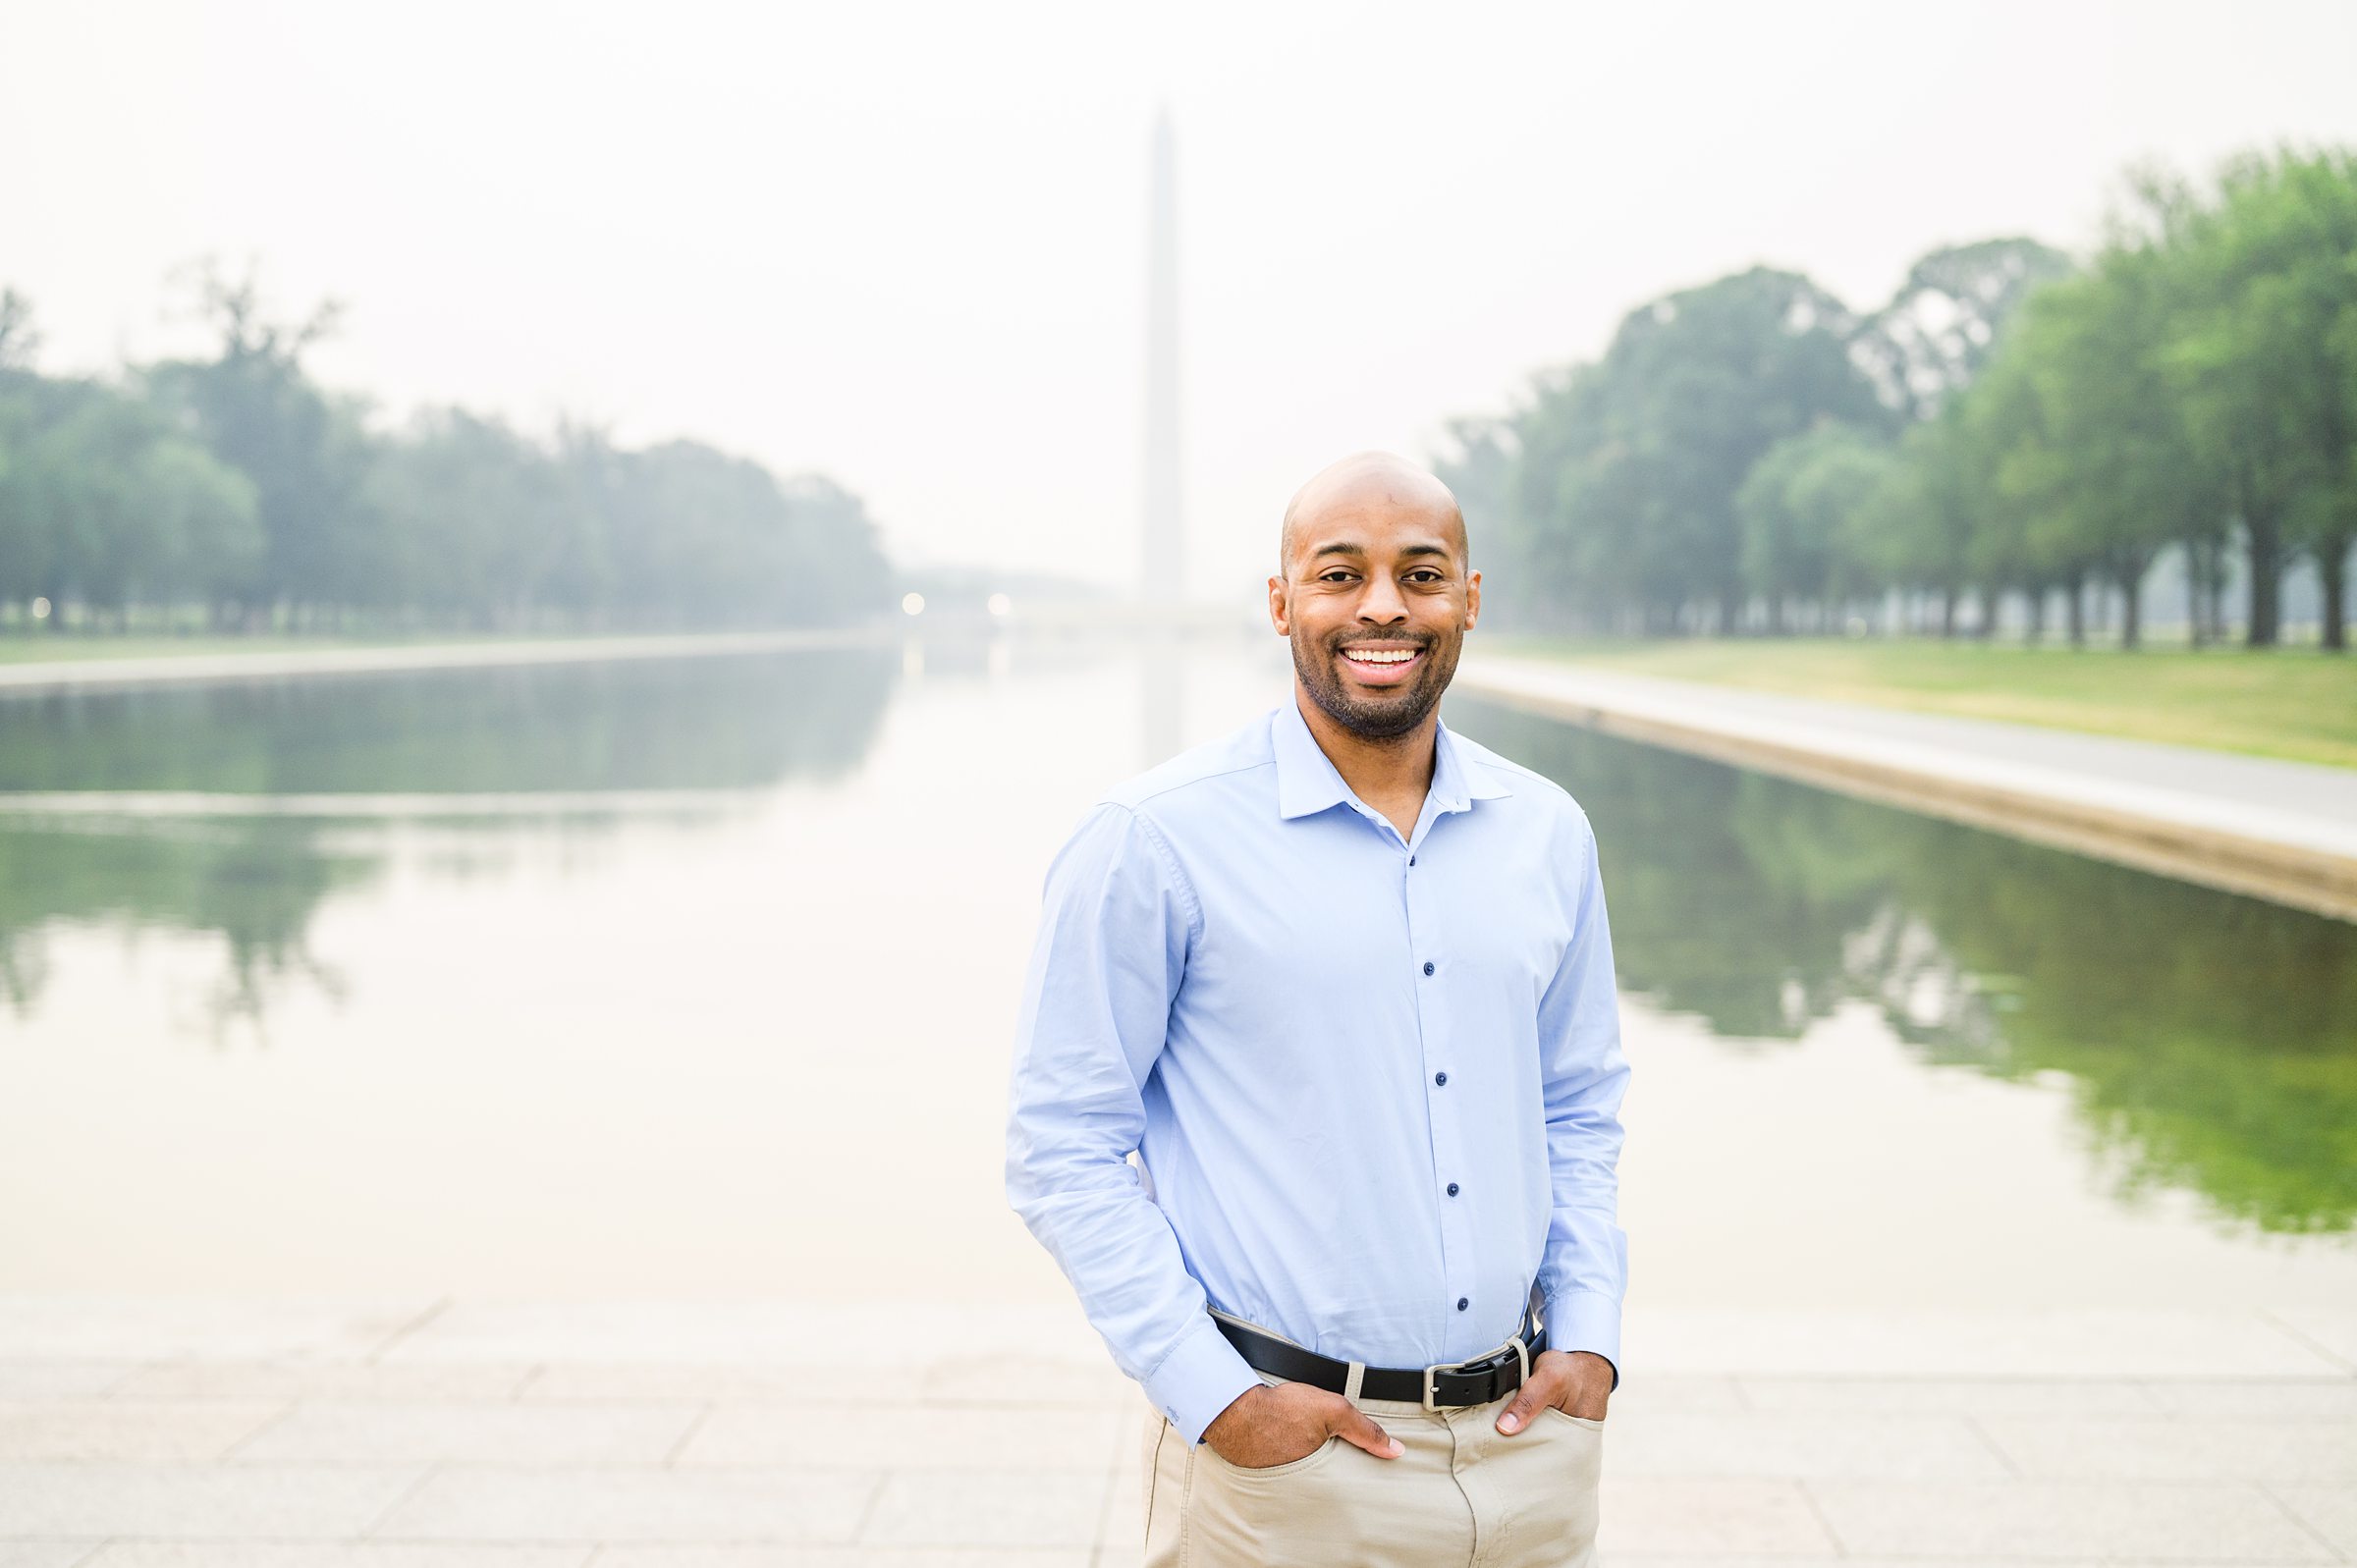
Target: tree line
[(235, 490), (2016, 424)]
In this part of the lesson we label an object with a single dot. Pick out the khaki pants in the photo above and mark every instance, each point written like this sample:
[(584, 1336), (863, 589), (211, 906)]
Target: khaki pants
[(1464, 1495)]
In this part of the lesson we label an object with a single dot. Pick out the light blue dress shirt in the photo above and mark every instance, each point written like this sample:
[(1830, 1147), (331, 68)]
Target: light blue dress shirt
[(1373, 1083)]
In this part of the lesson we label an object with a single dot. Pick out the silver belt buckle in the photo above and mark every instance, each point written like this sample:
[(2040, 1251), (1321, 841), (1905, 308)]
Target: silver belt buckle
[(1484, 1360)]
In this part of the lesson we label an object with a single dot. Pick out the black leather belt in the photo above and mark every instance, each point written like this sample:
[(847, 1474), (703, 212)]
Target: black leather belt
[(1490, 1377)]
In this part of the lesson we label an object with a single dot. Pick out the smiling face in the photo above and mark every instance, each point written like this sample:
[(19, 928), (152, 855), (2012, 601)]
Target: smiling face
[(1375, 595)]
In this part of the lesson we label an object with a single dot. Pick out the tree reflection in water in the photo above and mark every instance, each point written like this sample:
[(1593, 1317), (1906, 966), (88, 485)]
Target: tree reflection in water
[(2209, 1040), (257, 880)]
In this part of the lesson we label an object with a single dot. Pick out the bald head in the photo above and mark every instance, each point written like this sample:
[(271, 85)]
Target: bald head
[(1362, 482)]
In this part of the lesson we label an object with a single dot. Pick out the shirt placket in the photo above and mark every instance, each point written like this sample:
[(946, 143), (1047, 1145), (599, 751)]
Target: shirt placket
[(1443, 1091)]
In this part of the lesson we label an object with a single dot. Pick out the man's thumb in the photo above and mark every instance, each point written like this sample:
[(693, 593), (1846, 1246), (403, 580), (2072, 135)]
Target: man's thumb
[(1358, 1428)]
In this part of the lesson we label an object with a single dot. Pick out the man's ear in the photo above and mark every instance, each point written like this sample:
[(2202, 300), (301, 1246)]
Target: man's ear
[(1278, 607), (1473, 598)]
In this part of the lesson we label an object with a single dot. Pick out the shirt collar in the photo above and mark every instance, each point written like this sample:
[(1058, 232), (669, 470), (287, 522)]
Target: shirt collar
[(1307, 780)]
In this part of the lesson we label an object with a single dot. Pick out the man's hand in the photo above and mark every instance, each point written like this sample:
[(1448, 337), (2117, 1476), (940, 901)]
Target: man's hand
[(1274, 1425), (1576, 1382)]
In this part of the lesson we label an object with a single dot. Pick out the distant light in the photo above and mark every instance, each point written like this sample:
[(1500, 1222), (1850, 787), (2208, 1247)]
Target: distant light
[(1001, 605), (40, 609), (912, 604)]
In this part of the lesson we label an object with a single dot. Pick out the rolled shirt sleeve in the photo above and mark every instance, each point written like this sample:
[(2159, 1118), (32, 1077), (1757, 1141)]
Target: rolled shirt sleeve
[(1117, 923), (1583, 1272)]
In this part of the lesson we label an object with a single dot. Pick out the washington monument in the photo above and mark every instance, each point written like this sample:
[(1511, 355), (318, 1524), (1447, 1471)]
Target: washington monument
[(1163, 559)]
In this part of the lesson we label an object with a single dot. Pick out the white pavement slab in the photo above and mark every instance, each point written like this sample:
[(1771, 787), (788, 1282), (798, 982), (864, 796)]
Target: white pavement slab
[(65, 1497), (2333, 1334), (591, 1503), (98, 1327), (2050, 1343), (2201, 1447), (132, 1430), (2142, 1521), (2331, 1511), (381, 1433), (913, 1436), (313, 1554), (762, 1332)]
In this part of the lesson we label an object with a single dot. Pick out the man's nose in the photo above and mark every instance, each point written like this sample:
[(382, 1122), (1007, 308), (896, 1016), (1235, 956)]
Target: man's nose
[(1383, 602)]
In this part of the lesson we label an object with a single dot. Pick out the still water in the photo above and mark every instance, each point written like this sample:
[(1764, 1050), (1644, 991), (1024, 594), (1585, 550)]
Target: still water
[(696, 979)]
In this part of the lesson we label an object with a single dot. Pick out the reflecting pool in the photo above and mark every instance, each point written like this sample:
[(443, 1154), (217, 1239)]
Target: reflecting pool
[(697, 978)]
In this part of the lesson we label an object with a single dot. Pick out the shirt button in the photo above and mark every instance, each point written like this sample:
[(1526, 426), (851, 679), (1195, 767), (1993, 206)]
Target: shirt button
[(1441, 1078), (1411, 860), (1462, 1304), (1453, 1189), (1428, 968)]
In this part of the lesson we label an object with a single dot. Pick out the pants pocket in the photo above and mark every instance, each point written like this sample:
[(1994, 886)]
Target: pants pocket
[(1586, 1423), (1316, 1456)]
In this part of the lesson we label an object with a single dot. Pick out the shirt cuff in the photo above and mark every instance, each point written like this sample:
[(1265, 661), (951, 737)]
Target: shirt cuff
[(1202, 1376), (1585, 1320)]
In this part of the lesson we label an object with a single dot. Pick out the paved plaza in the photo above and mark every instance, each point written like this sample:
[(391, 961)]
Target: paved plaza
[(222, 1434)]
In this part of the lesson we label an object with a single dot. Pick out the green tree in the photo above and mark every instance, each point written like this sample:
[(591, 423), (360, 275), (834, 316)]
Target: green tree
[(1927, 510), (478, 521), (835, 566), (2287, 226), (27, 544), (2117, 471), (2003, 513), (102, 500), (18, 340), (306, 453), (2266, 355), (1933, 338), (1801, 507), (1555, 501), (1477, 464)]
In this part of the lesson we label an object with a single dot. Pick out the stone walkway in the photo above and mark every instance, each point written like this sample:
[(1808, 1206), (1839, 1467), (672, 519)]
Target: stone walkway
[(221, 1434), (2284, 831)]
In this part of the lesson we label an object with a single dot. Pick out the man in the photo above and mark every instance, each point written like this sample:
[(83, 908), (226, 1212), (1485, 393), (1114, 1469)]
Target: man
[(1343, 981)]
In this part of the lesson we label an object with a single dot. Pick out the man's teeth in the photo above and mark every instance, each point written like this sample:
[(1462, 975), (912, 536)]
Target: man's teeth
[(1381, 657)]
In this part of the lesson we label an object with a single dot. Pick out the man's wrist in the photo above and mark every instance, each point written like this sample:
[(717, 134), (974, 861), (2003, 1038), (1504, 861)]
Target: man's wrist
[(1606, 1361), (1589, 1321), (1198, 1379)]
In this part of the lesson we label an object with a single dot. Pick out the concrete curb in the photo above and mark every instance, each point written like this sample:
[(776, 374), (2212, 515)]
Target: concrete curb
[(2239, 841), (20, 679)]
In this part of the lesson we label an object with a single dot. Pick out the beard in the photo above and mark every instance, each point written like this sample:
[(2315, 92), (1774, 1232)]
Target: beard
[(1384, 715)]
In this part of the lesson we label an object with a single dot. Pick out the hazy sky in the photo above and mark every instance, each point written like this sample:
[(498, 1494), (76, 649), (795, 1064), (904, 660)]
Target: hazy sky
[(905, 246)]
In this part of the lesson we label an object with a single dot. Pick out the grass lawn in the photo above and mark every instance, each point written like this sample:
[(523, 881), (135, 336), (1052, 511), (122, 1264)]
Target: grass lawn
[(2295, 703)]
